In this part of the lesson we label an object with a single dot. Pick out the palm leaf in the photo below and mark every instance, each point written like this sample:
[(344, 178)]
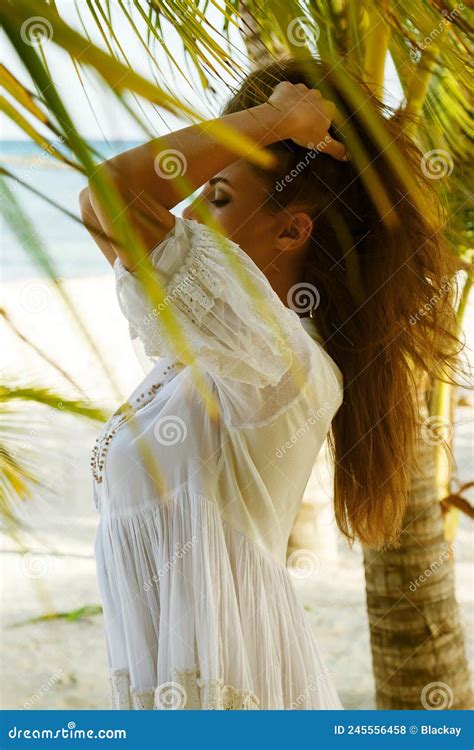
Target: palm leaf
[(25, 439), (434, 77), (88, 610)]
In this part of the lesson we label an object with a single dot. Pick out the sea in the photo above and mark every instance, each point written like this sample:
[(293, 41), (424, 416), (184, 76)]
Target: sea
[(69, 247)]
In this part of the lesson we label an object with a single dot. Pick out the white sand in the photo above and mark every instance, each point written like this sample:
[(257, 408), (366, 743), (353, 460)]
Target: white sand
[(59, 664)]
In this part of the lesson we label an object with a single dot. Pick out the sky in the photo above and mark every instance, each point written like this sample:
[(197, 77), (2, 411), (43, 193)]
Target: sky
[(95, 110)]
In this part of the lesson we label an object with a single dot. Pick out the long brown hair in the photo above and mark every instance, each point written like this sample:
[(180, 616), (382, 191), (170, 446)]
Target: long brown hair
[(386, 281)]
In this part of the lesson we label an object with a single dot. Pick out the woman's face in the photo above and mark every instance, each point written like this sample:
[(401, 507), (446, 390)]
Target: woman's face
[(238, 199)]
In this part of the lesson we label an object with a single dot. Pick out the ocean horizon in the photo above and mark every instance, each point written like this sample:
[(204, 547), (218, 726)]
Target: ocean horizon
[(69, 247)]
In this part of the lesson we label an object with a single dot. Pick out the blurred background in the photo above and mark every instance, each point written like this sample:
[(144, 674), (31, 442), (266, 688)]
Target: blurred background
[(68, 360)]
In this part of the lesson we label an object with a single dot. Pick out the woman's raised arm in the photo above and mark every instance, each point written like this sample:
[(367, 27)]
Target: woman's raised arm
[(293, 111)]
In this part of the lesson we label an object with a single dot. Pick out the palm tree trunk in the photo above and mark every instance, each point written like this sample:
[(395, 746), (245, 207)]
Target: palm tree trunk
[(415, 626), (257, 52)]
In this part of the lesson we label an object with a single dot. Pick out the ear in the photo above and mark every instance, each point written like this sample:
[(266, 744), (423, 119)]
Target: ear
[(295, 232)]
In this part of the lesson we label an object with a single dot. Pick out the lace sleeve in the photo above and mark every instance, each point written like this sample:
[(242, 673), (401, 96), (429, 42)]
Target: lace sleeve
[(238, 329), (235, 323)]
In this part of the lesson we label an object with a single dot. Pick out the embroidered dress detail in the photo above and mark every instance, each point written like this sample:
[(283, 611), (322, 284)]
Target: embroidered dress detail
[(200, 610), (122, 415), (186, 691)]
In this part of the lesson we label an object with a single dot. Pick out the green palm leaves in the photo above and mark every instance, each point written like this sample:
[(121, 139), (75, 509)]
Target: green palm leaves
[(202, 44)]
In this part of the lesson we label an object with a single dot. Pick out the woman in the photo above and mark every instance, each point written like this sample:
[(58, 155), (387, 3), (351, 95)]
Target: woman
[(199, 478)]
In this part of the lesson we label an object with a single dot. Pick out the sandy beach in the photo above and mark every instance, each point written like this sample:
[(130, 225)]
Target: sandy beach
[(48, 566)]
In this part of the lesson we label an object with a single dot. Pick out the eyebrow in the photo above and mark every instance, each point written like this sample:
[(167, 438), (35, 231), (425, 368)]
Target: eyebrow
[(215, 180)]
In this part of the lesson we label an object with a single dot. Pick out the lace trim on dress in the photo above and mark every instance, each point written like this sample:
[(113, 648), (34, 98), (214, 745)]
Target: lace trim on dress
[(200, 289), (186, 690)]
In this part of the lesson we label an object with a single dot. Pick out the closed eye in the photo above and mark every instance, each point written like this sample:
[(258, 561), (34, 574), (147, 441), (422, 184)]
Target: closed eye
[(219, 202)]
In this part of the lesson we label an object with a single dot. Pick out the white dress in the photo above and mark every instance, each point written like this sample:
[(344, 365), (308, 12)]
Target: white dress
[(197, 505)]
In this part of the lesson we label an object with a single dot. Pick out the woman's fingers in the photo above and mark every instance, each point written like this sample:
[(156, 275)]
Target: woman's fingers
[(330, 146), (334, 148), (309, 116), (329, 108)]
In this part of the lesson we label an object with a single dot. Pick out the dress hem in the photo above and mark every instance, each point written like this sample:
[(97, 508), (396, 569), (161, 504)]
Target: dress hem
[(186, 690)]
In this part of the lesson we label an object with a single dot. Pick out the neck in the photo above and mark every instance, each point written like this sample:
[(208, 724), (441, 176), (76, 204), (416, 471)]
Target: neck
[(283, 282)]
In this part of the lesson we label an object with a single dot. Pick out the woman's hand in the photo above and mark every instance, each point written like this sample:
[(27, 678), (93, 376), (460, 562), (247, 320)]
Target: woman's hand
[(293, 111), (305, 118)]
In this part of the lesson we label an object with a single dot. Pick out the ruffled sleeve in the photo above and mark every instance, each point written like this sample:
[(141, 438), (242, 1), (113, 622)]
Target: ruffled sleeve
[(235, 324)]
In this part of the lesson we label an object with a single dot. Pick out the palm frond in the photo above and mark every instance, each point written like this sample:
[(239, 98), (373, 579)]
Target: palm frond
[(428, 42), (81, 613), (26, 435), (29, 239)]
